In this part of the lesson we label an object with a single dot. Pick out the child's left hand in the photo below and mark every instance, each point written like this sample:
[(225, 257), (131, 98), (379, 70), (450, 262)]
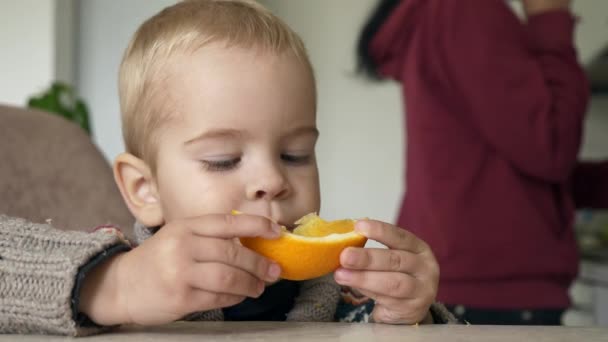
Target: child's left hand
[(402, 280)]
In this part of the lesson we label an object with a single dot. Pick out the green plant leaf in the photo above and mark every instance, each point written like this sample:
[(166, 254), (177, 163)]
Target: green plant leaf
[(81, 115), (61, 99)]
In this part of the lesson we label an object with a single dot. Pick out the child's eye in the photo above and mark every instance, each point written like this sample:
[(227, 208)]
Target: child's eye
[(221, 165), (296, 159)]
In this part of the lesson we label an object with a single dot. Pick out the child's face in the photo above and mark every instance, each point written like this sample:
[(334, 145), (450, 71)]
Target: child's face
[(242, 136)]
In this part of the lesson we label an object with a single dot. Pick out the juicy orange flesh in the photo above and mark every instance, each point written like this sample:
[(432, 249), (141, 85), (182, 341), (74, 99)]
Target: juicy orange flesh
[(317, 227), (301, 258)]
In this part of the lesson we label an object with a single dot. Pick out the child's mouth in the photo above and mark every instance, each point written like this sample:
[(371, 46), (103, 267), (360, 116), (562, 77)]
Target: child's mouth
[(289, 226)]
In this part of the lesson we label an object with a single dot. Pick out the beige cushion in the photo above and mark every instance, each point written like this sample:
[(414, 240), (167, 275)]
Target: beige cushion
[(50, 169)]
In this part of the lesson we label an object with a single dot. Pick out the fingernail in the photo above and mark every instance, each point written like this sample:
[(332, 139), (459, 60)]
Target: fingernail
[(350, 257), (260, 287), (342, 275), (362, 226), (274, 271), (276, 229)]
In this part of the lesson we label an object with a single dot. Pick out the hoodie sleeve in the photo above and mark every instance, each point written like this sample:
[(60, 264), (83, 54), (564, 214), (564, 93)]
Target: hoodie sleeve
[(590, 184), (522, 86)]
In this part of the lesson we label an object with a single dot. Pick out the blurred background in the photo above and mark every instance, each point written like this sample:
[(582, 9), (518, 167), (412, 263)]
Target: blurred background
[(81, 43)]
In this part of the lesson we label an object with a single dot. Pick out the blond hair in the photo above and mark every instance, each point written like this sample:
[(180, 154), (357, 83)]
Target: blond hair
[(186, 27)]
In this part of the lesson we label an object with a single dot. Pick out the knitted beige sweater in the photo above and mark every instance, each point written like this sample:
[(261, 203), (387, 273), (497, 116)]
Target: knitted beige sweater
[(38, 269)]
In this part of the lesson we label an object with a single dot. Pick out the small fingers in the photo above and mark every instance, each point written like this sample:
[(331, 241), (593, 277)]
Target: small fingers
[(391, 284), (398, 311), (391, 236), (408, 312), (230, 253), (220, 278), (228, 226), (380, 259)]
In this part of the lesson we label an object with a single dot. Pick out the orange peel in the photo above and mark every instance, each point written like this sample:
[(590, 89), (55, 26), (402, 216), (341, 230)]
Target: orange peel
[(311, 250)]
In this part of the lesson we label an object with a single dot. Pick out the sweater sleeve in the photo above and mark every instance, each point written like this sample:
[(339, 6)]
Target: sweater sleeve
[(590, 184), (317, 301), (40, 268), (521, 85)]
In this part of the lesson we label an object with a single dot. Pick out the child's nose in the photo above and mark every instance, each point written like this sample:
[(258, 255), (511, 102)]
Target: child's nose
[(270, 186), (261, 194)]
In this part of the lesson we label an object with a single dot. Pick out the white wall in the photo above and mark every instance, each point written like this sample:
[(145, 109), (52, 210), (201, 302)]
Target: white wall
[(106, 27), (66, 27), (591, 26), (37, 40), (27, 52), (595, 144)]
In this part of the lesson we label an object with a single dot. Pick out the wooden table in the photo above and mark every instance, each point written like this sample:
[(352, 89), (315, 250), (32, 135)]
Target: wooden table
[(291, 332)]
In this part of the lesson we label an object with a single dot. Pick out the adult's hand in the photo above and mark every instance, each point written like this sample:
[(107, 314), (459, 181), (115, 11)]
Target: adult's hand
[(532, 7)]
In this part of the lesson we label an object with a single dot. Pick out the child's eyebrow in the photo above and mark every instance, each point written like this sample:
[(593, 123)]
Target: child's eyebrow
[(306, 130), (223, 133)]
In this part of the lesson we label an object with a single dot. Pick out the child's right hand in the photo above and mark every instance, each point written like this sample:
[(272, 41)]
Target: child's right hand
[(187, 266)]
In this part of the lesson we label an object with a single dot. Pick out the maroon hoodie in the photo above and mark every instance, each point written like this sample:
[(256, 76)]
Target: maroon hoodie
[(495, 111)]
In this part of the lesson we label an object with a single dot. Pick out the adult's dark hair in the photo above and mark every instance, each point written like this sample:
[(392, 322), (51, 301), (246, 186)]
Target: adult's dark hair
[(365, 63)]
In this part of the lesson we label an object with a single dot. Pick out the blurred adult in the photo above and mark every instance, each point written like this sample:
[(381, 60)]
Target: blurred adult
[(495, 109)]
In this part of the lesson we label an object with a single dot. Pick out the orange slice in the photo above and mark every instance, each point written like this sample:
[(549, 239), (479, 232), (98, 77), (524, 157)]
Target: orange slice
[(311, 250)]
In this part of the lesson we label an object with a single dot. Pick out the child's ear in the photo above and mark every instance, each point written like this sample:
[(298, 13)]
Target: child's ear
[(138, 188)]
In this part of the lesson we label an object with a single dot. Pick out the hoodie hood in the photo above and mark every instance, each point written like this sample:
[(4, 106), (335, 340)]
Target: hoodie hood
[(387, 48)]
